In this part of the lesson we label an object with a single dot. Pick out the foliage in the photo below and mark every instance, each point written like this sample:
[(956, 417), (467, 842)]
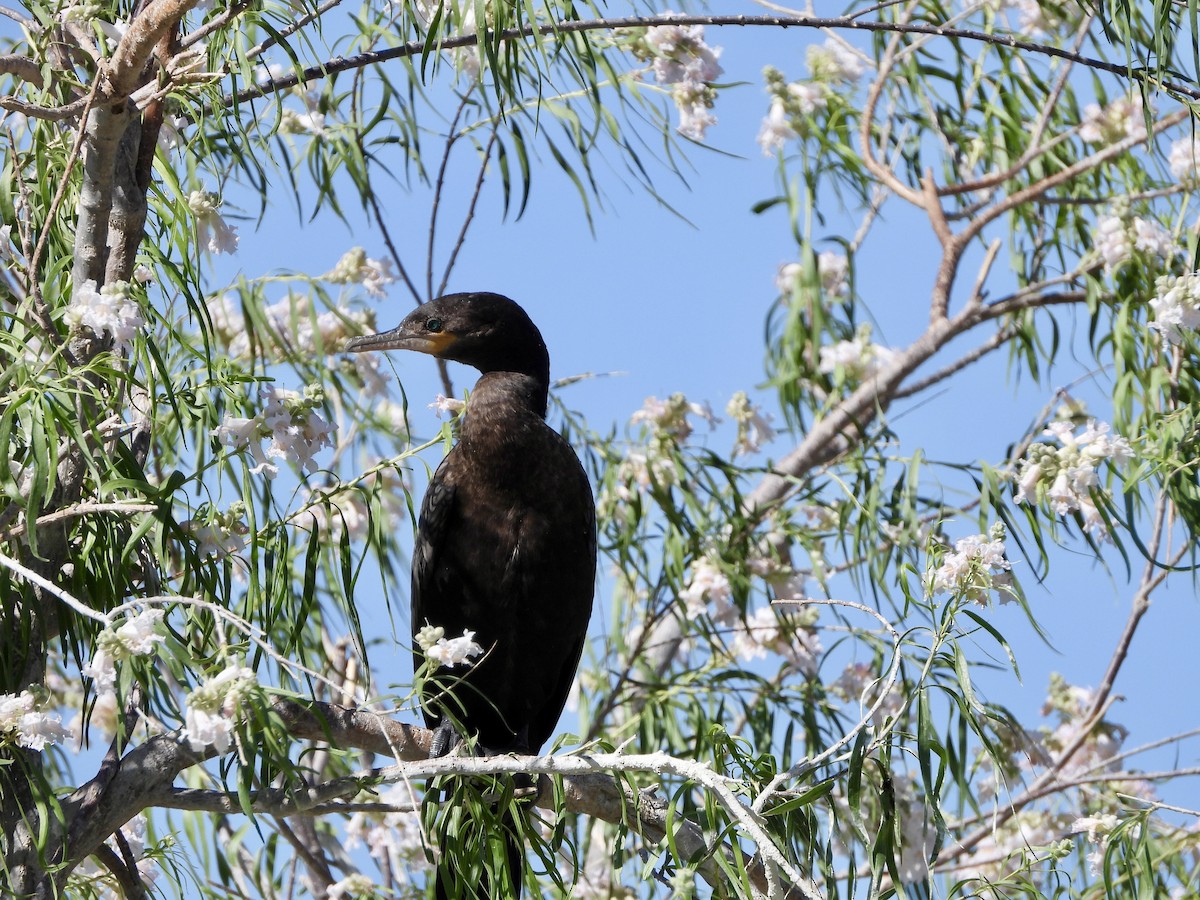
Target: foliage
[(783, 697)]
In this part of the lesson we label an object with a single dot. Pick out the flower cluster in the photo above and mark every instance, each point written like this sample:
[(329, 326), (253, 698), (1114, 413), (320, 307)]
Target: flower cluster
[(1184, 161), (212, 708), (1176, 306), (679, 57), (790, 637), (753, 425), (134, 637), (108, 311), (669, 418), (1117, 238), (356, 268), (708, 592), (21, 723), (974, 568), (461, 15), (213, 233), (133, 841), (855, 360), (860, 683), (1065, 475), (223, 534), (346, 510), (1040, 19), (833, 271), (1122, 118), (393, 839), (453, 652), (290, 420), (831, 66)]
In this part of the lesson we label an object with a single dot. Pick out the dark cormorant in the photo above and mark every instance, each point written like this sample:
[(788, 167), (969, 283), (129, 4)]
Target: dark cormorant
[(506, 542)]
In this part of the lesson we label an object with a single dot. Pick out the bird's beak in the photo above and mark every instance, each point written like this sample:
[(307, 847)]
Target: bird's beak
[(401, 339)]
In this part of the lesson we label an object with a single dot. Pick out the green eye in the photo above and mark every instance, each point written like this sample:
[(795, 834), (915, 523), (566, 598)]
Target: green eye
[(434, 325)]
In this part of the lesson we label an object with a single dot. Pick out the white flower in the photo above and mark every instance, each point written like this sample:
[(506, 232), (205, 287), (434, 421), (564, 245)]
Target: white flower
[(669, 417), (834, 62), (108, 311), (443, 404), (761, 633), (134, 637), (1184, 161), (857, 359), (1120, 119), (393, 838), (212, 708), (356, 268), (776, 131), (143, 274), (1176, 306), (807, 97), (1116, 240), (678, 56), (1112, 242), (5, 242), (708, 586), (296, 429), (223, 535), (787, 277), (310, 122), (834, 271), (455, 651), (213, 233), (974, 568), (356, 885), (204, 728), (754, 426), (859, 684), (22, 724)]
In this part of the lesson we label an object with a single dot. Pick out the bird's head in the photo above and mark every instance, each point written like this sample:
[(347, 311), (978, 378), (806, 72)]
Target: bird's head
[(483, 330)]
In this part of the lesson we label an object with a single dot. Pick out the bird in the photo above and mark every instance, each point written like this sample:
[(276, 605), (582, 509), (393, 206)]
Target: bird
[(506, 537)]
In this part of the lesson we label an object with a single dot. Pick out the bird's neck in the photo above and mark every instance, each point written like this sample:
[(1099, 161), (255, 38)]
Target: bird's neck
[(500, 401)]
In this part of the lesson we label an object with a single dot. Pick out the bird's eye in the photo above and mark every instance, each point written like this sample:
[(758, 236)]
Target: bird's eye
[(434, 325)]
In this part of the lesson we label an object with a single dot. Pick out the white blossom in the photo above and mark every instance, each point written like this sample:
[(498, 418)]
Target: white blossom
[(213, 233), (1116, 240), (109, 311), (1120, 119), (1066, 475), (133, 637), (213, 707), (834, 62), (860, 684), (669, 417), (761, 633), (754, 426), (834, 272), (453, 652), (355, 885), (976, 567), (443, 404), (858, 359), (26, 726), (776, 131), (1176, 306), (356, 268), (1183, 159), (708, 591), (679, 56), (394, 838), (297, 431)]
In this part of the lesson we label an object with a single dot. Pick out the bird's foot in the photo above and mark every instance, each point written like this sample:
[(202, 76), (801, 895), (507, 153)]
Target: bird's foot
[(445, 739)]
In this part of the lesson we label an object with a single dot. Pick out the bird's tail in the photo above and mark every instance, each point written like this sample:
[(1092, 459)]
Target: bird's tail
[(483, 856)]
